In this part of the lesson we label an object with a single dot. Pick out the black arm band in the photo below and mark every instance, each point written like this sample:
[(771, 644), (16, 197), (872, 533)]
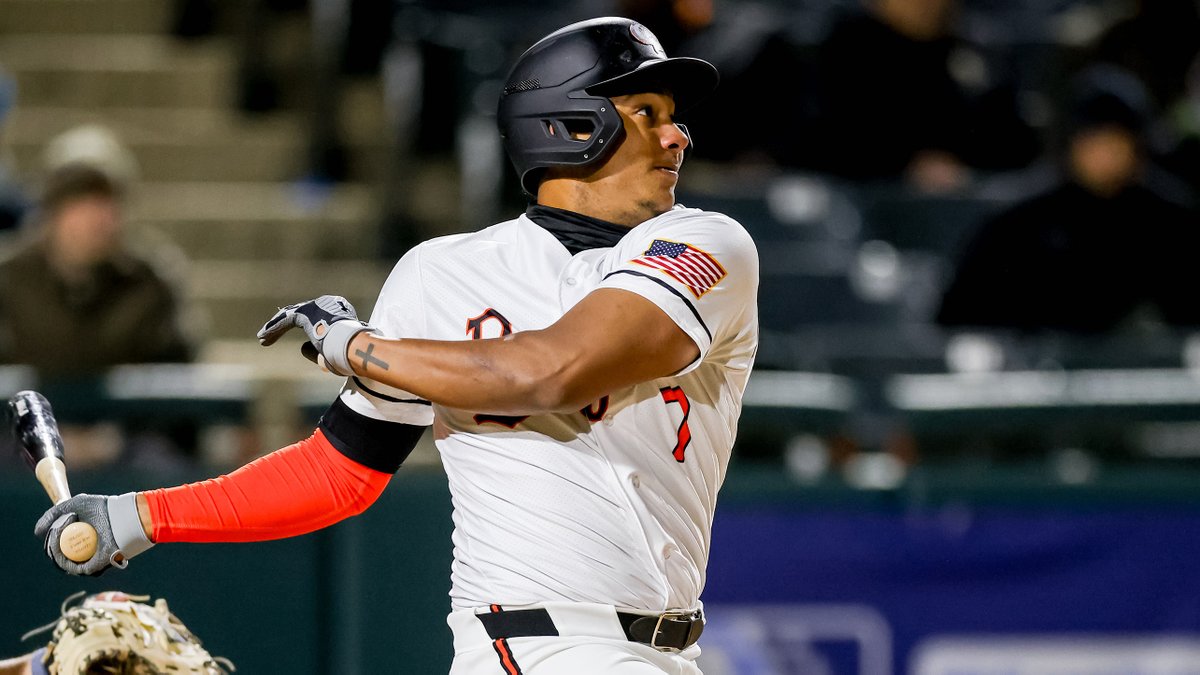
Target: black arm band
[(376, 444)]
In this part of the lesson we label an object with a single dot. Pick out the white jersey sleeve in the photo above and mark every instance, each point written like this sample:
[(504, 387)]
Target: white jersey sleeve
[(398, 313), (700, 268)]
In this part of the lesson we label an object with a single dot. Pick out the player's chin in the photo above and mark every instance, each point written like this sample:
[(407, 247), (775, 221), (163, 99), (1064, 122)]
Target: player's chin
[(658, 199), (656, 207), (667, 199)]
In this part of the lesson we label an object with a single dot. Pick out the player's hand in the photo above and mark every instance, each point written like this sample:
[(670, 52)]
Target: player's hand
[(329, 322), (93, 510)]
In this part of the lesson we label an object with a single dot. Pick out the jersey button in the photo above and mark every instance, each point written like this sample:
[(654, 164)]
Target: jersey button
[(668, 550), (571, 281), (636, 480)]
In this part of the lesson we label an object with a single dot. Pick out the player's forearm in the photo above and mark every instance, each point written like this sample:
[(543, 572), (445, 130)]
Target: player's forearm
[(516, 375), (299, 489), (610, 340)]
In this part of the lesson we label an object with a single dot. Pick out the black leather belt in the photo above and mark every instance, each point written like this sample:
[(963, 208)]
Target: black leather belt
[(667, 631)]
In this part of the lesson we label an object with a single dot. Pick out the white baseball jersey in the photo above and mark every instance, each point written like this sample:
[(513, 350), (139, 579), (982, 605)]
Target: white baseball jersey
[(611, 504)]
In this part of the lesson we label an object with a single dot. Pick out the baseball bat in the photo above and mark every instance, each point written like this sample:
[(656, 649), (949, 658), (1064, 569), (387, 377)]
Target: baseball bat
[(42, 447)]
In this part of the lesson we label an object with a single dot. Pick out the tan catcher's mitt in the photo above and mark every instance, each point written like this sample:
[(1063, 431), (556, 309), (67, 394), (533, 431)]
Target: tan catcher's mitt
[(117, 634)]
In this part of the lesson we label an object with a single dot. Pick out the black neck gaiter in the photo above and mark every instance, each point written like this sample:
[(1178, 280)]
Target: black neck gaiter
[(576, 231)]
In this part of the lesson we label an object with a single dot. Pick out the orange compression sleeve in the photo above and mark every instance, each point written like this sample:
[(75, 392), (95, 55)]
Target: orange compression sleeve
[(292, 491)]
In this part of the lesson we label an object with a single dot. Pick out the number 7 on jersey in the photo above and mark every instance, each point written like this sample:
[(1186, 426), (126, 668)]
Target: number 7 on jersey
[(684, 435)]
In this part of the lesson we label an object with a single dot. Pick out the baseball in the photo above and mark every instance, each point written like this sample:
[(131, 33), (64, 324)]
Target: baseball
[(78, 542)]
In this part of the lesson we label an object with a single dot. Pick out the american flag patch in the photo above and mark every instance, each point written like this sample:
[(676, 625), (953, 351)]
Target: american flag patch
[(686, 264)]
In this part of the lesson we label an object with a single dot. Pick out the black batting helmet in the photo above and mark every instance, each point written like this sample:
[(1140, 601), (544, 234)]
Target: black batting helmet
[(561, 86)]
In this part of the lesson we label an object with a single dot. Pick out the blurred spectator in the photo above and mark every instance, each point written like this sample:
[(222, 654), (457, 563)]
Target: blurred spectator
[(75, 298), (1098, 247), (13, 203), (902, 97), (94, 145)]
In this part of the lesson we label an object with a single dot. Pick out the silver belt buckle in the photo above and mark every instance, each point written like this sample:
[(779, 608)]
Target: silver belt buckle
[(686, 616)]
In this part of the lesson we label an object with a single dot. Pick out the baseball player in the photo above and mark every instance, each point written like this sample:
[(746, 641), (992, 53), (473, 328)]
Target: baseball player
[(582, 366)]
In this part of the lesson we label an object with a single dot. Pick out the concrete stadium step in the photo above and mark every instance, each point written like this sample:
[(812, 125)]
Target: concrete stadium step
[(238, 296), (252, 157), (279, 360), (275, 280), (241, 157), (84, 16), (184, 144), (192, 144), (38, 124), (245, 221), (361, 123), (118, 70)]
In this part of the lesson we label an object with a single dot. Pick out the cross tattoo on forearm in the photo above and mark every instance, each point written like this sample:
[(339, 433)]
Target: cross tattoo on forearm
[(368, 358)]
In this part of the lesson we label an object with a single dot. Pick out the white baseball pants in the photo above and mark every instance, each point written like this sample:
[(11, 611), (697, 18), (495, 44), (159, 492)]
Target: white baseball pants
[(590, 642)]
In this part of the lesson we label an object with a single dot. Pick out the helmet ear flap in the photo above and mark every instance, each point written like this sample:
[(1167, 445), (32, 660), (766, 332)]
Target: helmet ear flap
[(610, 129), (573, 137)]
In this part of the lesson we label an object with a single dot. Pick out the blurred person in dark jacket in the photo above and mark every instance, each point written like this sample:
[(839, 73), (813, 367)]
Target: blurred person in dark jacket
[(902, 97), (1094, 251), (76, 299)]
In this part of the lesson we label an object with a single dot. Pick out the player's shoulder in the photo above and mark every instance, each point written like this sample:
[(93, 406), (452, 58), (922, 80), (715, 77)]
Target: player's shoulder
[(455, 243), (698, 227), (686, 214), (464, 245), (684, 218)]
